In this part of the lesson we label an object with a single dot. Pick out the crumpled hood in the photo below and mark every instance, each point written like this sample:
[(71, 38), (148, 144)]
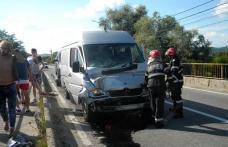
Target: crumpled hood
[(128, 79)]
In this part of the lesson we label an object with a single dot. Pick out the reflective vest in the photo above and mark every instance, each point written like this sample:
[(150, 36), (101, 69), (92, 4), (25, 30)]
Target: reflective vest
[(156, 73), (176, 70)]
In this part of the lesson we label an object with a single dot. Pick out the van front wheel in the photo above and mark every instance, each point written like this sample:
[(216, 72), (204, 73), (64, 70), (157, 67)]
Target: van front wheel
[(88, 114)]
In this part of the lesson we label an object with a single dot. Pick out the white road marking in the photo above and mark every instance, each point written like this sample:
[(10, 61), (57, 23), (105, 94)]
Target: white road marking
[(223, 120), (81, 133), (206, 90)]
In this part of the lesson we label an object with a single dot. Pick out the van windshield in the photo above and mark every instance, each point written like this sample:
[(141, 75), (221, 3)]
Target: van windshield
[(112, 55)]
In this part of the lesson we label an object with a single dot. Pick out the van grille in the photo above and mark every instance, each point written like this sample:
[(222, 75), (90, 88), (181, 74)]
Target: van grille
[(122, 101), (125, 92)]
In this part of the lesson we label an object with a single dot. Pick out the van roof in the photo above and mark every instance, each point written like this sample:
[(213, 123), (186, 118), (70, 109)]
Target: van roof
[(105, 37)]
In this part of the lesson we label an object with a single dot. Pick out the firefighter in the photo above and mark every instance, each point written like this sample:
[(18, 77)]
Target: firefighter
[(175, 82), (155, 80)]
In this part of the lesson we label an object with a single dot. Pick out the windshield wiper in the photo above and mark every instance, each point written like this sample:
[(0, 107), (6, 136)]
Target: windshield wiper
[(127, 64), (122, 69)]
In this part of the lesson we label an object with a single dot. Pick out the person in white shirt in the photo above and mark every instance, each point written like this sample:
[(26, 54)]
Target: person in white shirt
[(36, 79)]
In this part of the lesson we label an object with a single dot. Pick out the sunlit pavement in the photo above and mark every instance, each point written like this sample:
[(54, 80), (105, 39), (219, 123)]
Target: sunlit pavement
[(205, 124)]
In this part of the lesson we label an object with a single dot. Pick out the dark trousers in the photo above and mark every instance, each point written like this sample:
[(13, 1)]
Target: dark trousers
[(8, 93), (157, 95), (176, 97)]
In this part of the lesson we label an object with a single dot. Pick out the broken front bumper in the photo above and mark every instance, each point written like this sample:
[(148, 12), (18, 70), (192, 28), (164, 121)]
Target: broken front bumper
[(125, 103)]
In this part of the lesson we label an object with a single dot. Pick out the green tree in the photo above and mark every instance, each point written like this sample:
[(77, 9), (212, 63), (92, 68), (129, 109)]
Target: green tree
[(201, 48), (220, 58), (123, 19), (11, 37), (146, 33), (158, 32), (162, 33)]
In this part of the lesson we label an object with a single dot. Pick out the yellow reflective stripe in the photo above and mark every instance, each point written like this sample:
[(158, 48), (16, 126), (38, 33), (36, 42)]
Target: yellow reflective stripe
[(180, 101), (180, 70), (156, 74), (170, 77), (158, 119), (166, 68), (175, 67)]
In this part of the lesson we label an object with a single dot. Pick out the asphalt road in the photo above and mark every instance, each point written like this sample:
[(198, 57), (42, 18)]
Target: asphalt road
[(205, 124)]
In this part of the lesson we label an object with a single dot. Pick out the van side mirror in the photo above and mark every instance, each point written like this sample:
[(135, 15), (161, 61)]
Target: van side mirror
[(76, 67)]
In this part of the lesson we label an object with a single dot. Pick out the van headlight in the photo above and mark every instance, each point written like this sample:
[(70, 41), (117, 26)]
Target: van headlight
[(96, 93)]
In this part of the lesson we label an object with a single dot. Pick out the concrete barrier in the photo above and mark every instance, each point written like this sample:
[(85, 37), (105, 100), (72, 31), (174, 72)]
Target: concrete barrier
[(208, 84)]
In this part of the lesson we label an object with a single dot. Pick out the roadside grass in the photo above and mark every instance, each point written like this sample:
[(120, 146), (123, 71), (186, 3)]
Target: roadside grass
[(42, 138)]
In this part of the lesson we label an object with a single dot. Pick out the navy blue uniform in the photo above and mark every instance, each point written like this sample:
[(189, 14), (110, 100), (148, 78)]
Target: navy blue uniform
[(176, 83), (155, 77)]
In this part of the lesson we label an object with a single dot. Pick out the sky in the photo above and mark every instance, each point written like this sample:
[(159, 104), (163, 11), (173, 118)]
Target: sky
[(49, 25)]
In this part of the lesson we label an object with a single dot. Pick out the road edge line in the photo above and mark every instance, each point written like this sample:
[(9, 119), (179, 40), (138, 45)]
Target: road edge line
[(82, 134), (222, 120), (215, 92)]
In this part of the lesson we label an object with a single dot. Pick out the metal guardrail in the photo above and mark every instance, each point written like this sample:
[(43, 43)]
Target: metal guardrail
[(206, 70)]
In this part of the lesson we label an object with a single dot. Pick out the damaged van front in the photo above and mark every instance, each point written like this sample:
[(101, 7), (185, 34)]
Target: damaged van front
[(113, 79)]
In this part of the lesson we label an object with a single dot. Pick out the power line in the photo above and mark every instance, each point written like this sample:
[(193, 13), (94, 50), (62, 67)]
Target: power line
[(203, 26), (223, 8), (201, 11), (193, 8), (204, 18)]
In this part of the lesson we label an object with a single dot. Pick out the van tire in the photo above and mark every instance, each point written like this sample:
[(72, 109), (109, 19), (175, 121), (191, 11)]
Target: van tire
[(67, 94), (147, 115), (88, 114), (58, 82)]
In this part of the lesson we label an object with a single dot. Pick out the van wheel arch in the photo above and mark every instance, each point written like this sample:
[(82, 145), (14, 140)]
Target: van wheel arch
[(58, 80), (67, 94), (88, 114)]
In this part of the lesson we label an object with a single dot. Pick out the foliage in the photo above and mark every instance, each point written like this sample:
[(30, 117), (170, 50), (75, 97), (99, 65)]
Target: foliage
[(11, 37), (220, 58), (123, 19), (42, 139), (158, 32), (162, 33)]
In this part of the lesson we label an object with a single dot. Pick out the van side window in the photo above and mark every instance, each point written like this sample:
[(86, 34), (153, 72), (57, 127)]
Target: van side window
[(72, 56), (75, 56)]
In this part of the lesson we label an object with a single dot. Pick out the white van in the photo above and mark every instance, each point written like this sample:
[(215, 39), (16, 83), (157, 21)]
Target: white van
[(104, 72)]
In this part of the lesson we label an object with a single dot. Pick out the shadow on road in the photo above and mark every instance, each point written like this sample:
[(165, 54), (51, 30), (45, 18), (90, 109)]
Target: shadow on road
[(193, 122), (116, 129)]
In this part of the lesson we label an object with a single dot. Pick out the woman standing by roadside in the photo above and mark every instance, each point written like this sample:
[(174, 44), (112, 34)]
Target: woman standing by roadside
[(24, 73)]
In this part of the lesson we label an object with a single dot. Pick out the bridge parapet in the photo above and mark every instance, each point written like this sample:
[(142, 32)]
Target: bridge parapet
[(206, 70), (207, 84)]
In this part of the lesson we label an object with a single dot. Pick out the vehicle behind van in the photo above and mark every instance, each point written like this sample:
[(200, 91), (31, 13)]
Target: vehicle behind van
[(104, 72)]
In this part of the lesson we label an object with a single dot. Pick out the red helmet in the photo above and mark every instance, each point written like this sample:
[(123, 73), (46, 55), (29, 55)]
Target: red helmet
[(154, 53), (170, 52)]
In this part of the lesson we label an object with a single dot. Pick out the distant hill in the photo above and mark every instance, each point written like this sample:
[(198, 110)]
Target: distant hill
[(219, 49)]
